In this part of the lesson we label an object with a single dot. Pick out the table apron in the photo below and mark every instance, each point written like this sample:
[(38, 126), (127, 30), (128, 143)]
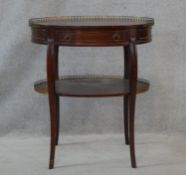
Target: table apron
[(90, 38)]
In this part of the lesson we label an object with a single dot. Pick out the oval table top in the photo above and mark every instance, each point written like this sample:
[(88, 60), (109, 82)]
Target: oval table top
[(82, 21), (91, 30)]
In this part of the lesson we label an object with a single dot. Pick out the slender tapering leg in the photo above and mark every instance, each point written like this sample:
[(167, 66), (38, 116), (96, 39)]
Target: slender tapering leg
[(132, 55), (53, 98), (57, 100), (125, 98)]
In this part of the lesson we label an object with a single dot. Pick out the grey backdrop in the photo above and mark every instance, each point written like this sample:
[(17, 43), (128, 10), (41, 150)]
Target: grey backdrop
[(163, 62)]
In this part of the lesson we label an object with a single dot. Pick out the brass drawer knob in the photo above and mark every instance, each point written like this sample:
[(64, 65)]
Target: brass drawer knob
[(67, 37), (116, 37)]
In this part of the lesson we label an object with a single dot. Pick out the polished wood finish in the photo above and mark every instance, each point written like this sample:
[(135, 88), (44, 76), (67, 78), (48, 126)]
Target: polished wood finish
[(126, 98), (92, 31), (132, 57), (52, 75)]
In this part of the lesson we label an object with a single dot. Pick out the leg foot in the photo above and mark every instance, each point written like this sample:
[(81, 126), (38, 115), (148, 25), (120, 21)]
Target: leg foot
[(51, 164), (57, 121)]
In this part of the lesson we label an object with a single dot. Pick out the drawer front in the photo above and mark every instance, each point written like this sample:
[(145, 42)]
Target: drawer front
[(39, 35), (91, 38)]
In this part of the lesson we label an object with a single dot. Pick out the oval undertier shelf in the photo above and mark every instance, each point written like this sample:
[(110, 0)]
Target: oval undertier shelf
[(91, 86)]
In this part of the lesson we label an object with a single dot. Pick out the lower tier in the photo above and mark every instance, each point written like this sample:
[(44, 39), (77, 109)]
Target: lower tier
[(91, 86)]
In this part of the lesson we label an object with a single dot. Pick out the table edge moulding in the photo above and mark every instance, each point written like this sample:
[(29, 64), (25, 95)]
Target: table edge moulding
[(92, 31)]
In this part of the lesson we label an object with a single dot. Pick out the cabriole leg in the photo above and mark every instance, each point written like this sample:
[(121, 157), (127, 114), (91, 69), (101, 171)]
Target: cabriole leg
[(125, 98), (52, 75), (132, 56)]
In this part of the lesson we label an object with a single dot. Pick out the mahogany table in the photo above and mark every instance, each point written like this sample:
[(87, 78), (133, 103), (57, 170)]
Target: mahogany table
[(92, 31)]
